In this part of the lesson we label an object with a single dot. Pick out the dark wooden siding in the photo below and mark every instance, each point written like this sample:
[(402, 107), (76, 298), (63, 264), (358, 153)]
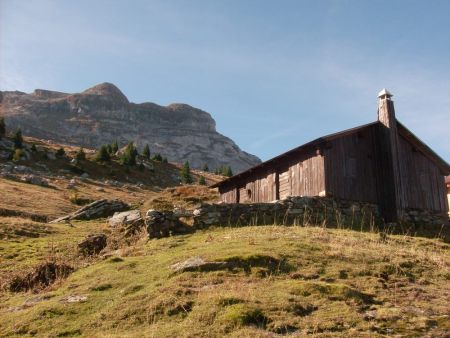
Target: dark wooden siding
[(301, 175), (423, 184), (350, 166)]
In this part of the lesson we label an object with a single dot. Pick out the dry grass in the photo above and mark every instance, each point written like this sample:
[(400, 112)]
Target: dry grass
[(333, 283)]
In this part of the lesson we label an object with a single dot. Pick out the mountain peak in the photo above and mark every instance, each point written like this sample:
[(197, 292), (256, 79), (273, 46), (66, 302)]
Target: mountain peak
[(106, 89)]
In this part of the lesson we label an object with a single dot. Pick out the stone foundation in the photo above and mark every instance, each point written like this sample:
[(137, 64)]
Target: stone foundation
[(325, 211)]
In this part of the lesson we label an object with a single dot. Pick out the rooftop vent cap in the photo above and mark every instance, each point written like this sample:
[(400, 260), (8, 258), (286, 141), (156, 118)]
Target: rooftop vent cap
[(384, 94)]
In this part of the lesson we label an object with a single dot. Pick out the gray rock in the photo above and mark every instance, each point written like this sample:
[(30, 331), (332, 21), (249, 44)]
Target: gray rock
[(36, 180), (125, 218), (198, 264), (97, 209)]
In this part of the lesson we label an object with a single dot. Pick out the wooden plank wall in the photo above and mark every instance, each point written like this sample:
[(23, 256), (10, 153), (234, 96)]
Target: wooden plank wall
[(423, 185), (350, 166), (301, 176)]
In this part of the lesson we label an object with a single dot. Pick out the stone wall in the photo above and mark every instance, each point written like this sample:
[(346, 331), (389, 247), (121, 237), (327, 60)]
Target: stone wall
[(324, 211)]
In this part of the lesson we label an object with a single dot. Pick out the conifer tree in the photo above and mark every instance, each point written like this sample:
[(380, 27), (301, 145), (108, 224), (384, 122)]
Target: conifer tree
[(205, 167), (2, 127), (146, 152), (17, 139), (114, 147), (102, 154), (129, 156), (80, 155), (186, 177), (202, 180), (227, 171)]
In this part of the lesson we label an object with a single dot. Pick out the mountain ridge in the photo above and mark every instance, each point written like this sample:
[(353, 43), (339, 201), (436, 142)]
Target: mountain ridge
[(102, 114)]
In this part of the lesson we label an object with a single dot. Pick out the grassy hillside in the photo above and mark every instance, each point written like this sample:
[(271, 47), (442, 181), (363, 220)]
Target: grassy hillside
[(291, 281), (271, 281)]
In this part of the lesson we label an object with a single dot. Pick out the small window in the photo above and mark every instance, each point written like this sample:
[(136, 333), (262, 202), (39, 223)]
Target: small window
[(249, 193)]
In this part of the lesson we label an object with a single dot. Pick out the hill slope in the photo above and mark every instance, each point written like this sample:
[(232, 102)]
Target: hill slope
[(279, 281), (102, 114)]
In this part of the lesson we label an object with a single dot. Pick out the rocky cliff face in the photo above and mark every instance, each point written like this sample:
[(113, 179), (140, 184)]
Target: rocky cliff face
[(103, 114)]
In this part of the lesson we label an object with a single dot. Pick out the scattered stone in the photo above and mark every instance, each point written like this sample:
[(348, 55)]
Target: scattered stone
[(74, 299), (72, 184), (94, 210), (22, 169), (84, 176), (100, 189), (92, 244), (164, 223), (33, 179), (198, 264), (74, 161), (51, 156)]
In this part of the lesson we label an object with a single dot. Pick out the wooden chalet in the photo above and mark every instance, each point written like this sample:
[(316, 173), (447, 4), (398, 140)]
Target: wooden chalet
[(381, 162)]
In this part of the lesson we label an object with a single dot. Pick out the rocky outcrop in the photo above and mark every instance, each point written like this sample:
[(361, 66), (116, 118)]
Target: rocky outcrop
[(103, 114), (130, 222), (97, 209)]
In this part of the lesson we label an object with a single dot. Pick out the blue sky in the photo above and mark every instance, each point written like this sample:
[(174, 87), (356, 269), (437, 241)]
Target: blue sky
[(273, 74)]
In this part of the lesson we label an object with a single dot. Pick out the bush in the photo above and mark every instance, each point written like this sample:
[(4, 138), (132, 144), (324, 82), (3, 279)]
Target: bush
[(60, 152), (33, 148), (185, 174), (205, 167), (164, 160), (157, 157), (18, 153), (202, 180), (80, 155), (17, 139), (103, 154)]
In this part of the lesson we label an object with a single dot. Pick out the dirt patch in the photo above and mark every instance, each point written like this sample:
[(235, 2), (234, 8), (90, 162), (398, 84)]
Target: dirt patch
[(40, 277)]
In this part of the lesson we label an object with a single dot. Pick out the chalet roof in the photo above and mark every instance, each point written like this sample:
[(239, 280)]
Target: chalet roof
[(405, 132)]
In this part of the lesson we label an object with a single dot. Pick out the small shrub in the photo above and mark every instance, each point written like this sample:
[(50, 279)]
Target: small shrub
[(18, 153), (80, 155), (157, 157), (60, 152), (240, 314), (205, 167), (33, 148), (202, 180), (75, 199)]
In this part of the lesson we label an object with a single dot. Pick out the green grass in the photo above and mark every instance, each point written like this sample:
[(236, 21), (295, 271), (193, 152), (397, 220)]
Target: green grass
[(280, 280)]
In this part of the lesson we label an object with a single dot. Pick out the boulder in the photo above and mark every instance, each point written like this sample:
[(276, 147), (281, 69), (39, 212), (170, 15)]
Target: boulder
[(164, 223), (131, 221), (97, 209), (33, 179), (92, 244), (198, 264)]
